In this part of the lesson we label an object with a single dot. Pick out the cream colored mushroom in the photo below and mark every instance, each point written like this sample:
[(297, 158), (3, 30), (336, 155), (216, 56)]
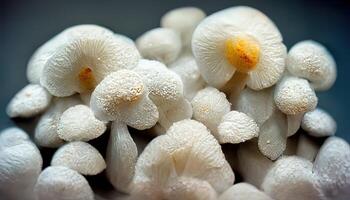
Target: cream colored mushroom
[(79, 156), (46, 130), (92, 53), (319, 123), (12, 136), (62, 183), (307, 148), (209, 106), (183, 20), (236, 127), (78, 123), (332, 167), (32, 100), (291, 177), (243, 191), (295, 96), (310, 60), (294, 123)]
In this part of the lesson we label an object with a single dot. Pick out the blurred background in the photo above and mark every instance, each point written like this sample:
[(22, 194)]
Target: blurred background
[(25, 25)]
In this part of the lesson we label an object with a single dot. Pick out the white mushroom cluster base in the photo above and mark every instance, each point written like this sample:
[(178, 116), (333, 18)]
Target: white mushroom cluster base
[(201, 108)]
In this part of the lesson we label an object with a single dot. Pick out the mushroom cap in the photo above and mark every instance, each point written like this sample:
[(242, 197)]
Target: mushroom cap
[(46, 130), (162, 44), (121, 157), (122, 95), (12, 136), (79, 156), (78, 123), (319, 123), (332, 167), (209, 106), (61, 183), (20, 166), (183, 20), (33, 99), (186, 67), (210, 36), (291, 177), (294, 95), (243, 191), (307, 148), (310, 60), (164, 85), (91, 53), (183, 151), (237, 127)]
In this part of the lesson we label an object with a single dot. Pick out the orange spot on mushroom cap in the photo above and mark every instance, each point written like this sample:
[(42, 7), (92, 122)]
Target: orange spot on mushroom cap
[(86, 78)]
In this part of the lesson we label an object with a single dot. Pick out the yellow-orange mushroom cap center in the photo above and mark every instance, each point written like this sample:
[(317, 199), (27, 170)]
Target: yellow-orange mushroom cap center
[(86, 78), (242, 52)]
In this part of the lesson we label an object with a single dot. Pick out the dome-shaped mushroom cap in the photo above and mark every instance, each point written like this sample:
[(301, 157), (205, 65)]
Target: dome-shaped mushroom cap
[(12, 136), (243, 191), (162, 44), (332, 167), (184, 151), (29, 101), (209, 106), (79, 156), (46, 130), (211, 35), (294, 96), (125, 38), (237, 127), (91, 53), (122, 95), (20, 166), (291, 177), (78, 123), (183, 20), (319, 123), (309, 59), (164, 85), (62, 183)]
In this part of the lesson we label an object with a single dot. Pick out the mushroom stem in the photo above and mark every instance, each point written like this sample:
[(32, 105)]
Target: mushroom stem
[(234, 86)]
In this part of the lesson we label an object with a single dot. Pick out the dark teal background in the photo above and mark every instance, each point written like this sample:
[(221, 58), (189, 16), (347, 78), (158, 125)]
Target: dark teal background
[(25, 25)]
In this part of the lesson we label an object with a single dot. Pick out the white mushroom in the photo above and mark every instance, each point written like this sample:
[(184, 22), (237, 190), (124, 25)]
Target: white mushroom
[(162, 44), (78, 123), (295, 96), (20, 166), (183, 151), (183, 20), (46, 130), (332, 167), (209, 106), (31, 100), (79, 156), (239, 46), (121, 157), (307, 148), (187, 69), (243, 191), (91, 53), (236, 127), (291, 177), (319, 123), (294, 123), (12, 136), (310, 60), (62, 183)]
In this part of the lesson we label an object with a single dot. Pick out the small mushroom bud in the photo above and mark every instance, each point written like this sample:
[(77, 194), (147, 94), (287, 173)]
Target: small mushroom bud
[(29, 101), (162, 44), (332, 167), (62, 183), (307, 148), (46, 131), (243, 191), (183, 20), (295, 96), (78, 123), (237, 127), (319, 123), (291, 177), (310, 60), (79, 156), (12, 136), (209, 106)]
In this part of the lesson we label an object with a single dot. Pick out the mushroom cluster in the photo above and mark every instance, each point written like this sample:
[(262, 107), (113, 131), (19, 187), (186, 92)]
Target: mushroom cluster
[(201, 108)]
